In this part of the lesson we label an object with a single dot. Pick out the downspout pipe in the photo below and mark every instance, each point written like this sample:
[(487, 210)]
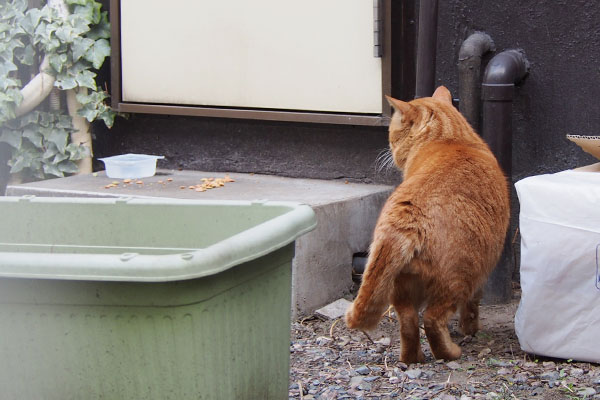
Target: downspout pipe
[(426, 48), (497, 89), (469, 75)]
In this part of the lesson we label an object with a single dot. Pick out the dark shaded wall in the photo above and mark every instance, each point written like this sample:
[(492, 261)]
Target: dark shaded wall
[(561, 39), (278, 148)]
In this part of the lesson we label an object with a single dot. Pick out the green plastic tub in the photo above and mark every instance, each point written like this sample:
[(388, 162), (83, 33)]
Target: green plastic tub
[(146, 299)]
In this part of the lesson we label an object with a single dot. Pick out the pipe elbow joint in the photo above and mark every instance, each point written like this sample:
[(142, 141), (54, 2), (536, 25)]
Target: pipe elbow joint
[(476, 45), (502, 73)]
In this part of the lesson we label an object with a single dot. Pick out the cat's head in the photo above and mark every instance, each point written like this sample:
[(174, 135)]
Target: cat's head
[(412, 121)]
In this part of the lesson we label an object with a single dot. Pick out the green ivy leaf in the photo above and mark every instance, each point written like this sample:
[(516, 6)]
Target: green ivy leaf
[(80, 2), (50, 152), (98, 52), (26, 55), (80, 25), (102, 30), (77, 152), (52, 169), (34, 136), (58, 61), (7, 67), (108, 117), (60, 157), (65, 82), (31, 20), (68, 167), (86, 79), (20, 5), (20, 162), (60, 139), (6, 82), (46, 119), (64, 122), (29, 118), (11, 137), (88, 112), (66, 33), (15, 95), (81, 46)]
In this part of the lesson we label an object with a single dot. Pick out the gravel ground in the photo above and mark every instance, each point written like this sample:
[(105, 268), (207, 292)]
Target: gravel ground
[(328, 361)]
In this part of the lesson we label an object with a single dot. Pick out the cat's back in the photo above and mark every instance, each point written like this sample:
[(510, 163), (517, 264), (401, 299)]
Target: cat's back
[(461, 195)]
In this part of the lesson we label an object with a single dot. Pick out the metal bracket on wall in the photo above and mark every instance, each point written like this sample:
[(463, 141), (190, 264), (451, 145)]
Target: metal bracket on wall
[(377, 28)]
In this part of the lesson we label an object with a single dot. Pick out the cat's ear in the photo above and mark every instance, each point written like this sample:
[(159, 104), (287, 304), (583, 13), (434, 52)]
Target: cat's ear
[(398, 105), (442, 94)]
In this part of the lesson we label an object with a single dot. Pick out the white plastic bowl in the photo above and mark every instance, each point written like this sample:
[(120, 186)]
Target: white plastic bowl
[(130, 165)]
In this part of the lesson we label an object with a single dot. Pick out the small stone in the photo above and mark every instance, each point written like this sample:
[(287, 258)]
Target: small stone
[(364, 386), (453, 365), (492, 395), (385, 341), (521, 377), (364, 370), (335, 310), (329, 394), (550, 376), (530, 364), (586, 392), (414, 373), (401, 365), (394, 380), (370, 378), (446, 396), (465, 397), (484, 352), (324, 341), (576, 372), (503, 371), (549, 364), (355, 381), (538, 391), (498, 363)]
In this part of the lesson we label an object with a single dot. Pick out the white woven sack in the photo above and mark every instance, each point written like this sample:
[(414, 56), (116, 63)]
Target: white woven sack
[(559, 312)]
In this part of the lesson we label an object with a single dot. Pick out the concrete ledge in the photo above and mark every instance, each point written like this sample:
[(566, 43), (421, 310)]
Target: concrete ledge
[(346, 215)]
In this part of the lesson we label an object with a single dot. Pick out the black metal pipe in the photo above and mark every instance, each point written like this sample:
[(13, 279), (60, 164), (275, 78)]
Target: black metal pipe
[(497, 89), (426, 48), (469, 75)]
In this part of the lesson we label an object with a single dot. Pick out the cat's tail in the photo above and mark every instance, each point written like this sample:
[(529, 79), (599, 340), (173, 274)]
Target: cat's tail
[(386, 260)]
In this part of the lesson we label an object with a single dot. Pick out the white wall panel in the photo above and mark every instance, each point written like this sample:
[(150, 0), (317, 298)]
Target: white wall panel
[(282, 54)]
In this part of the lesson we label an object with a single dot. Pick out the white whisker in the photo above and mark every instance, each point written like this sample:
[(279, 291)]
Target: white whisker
[(384, 161)]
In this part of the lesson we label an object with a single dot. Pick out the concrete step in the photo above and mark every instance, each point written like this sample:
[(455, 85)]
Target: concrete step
[(346, 215)]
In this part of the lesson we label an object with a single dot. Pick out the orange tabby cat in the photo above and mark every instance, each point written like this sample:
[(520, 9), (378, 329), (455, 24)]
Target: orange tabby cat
[(439, 234)]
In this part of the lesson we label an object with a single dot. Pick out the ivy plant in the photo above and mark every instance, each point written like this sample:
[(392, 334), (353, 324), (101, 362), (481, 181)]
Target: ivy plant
[(76, 47)]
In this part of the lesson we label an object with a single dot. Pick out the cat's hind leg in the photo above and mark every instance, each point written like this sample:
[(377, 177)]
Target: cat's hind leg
[(469, 315), (407, 299), (435, 319), (410, 343)]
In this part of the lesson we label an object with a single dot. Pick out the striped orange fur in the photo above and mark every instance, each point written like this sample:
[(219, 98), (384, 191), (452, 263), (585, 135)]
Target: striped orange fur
[(440, 233)]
